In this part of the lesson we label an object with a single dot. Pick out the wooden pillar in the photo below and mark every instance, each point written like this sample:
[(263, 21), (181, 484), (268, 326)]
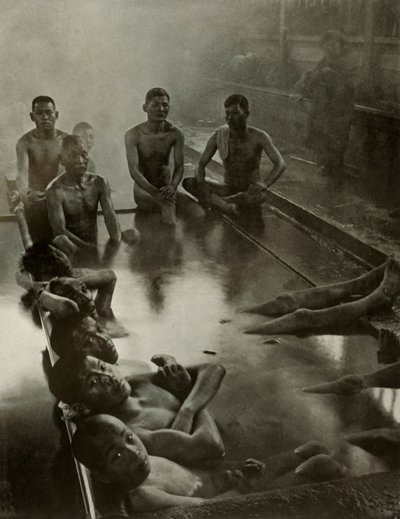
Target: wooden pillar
[(283, 50)]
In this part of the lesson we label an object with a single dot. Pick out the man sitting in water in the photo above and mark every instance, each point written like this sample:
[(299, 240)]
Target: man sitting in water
[(37, 164), (148, 150), (108, 447), (74, 196), (240, 147), (165, 409)]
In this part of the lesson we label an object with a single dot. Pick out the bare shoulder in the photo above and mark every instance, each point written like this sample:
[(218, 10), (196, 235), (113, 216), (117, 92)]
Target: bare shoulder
[(132, 134), (99, 180), (260, 136), (56, 185), (25, 139)]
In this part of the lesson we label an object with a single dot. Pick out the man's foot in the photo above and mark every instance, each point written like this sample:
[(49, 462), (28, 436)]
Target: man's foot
[(320, 468), (380, 442), (312, 448), (347, 385), (281, 305)]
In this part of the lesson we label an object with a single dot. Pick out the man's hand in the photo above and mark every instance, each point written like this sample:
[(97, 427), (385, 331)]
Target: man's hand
[(246, 479), (14, 199), (256, 191), (176, 378), (168, 194)]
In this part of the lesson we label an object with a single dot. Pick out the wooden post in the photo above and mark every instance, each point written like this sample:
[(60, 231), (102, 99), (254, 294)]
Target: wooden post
[(283, 51)]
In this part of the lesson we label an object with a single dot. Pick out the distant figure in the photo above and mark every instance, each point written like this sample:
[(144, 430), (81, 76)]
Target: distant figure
[(148, 149), (37, 164), (242, 68), (240, 148), (332, 103), (74, 196), (86, 133)]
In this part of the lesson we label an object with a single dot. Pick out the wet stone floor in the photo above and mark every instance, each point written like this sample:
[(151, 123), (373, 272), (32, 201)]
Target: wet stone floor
[(179, 291)]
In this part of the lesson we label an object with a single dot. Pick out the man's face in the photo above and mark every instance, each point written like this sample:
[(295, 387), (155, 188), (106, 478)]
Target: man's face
[(157, 109), (87, 137), (236, 117), (76, 291), (75, 158), (126, 462), (91, 339), (44, 116), (100, 385)]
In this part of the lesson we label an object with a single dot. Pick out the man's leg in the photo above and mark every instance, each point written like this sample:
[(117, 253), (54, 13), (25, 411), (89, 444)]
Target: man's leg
[(210, 193), (321, 297), (187, 206), (148, 203), (340, 315)]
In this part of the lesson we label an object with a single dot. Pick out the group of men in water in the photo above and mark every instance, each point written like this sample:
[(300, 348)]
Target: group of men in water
[(61, 191), (146, 433)]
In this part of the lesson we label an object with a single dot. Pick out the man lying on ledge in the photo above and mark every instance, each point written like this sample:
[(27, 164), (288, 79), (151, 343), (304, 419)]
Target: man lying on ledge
[(166, 409), (240, 147), (148, 483), (65, 296)]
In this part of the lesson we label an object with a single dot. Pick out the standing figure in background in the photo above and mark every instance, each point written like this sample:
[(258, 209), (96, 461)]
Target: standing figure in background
[(37, 164), (331, 90), (86, 133)]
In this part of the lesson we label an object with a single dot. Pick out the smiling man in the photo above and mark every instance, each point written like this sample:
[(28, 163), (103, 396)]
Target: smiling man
[(37, 164), (148, 149), (74, 196), (240, 147)]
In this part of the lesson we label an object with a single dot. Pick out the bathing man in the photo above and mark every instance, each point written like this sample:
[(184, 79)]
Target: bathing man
[(240, 148), (148, 149), (74, 196), (37, 164)]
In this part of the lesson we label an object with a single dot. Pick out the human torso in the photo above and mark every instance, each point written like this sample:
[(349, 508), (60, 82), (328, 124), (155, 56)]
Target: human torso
[(175, 479), (154, 150), (243, 163), (80, 204), (149, 407), (43, 155)]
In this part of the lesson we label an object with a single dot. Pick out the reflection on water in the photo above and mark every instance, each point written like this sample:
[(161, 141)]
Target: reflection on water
[(390, 401)]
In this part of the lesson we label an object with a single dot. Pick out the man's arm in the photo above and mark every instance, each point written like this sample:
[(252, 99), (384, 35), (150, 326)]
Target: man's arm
[(57, 218), (206, 156), (275, 157), (208, 379), (104, 282), (21, 178), (178, 159), (203, 444), (132, 156), (110, 217)]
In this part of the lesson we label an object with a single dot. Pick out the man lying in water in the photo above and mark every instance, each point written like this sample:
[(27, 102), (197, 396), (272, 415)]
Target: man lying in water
[(319, 309), (165, 409), (44, 262), (107, 446), (240, 147)]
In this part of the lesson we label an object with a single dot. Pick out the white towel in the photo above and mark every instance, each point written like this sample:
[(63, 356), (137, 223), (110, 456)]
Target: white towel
[(223, 141)]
